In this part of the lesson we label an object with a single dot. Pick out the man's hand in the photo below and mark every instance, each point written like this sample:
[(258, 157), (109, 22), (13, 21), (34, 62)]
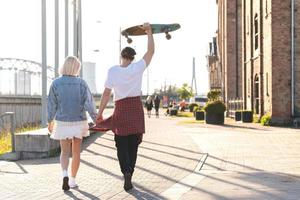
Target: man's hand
[(147, 28), (50, 127), (99, 118)]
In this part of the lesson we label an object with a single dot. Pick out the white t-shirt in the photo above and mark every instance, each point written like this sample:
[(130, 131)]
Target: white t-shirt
[(126, 81)]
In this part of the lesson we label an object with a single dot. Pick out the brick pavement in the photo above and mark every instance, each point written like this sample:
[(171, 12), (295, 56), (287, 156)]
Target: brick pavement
[(251, 162), (166, 156), (245, 161)]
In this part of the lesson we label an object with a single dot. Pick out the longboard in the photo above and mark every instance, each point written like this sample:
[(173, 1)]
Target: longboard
[(156, 28)]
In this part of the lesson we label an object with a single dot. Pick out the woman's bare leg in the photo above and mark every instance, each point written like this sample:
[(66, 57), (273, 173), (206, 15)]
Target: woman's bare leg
[(65, 146), (76, 148)]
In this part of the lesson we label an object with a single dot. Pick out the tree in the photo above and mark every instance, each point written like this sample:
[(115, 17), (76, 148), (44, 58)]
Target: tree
[(185, 92)]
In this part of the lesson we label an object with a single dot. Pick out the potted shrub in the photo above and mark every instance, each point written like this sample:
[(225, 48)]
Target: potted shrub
[(247, 116), (191, 106), (214, 112), (195, 109), (199, 114), (238, 115)]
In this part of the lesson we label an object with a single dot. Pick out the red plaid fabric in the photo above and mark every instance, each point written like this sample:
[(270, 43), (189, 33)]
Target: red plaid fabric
[(127, 119)]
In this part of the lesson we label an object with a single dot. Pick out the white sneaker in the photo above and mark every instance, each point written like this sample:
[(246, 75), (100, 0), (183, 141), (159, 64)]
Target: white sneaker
[(72, 182)]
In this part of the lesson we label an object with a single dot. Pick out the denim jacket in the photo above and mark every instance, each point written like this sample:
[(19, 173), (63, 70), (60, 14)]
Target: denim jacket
[(68, 100)]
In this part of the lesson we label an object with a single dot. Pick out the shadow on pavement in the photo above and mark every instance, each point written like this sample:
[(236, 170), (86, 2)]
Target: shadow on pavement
[(45, 161), (153, 194), (85, 194), (138, 194), (258, 183)]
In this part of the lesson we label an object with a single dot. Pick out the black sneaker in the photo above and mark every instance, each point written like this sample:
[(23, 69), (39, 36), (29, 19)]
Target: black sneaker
[(65, 185), (127, 182)]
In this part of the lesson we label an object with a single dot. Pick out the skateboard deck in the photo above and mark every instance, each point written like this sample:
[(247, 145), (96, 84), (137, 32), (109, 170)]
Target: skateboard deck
[(156, 28)]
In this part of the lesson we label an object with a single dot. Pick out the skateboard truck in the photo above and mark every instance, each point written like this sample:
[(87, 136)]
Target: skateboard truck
[(168, 36), (129, 40)]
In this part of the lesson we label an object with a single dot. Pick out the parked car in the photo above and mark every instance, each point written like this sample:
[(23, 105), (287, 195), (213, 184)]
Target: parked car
[(200, 100)]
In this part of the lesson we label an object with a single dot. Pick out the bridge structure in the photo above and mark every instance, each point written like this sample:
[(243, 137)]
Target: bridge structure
[(23, 77), (20, 77)]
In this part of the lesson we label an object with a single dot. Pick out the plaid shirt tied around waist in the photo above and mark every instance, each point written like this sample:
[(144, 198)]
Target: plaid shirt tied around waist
[(127, 119)]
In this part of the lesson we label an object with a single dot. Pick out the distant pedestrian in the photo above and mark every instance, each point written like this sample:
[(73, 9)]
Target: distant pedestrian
[(156, 105), (149, 105), (68, 100)]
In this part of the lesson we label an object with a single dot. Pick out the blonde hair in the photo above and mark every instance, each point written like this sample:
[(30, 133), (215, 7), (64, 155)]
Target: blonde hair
[(71, 67), (149, 99)]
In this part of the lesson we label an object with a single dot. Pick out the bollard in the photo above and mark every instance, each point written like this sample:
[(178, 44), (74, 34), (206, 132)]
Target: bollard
[(12, 131), (12, 128)]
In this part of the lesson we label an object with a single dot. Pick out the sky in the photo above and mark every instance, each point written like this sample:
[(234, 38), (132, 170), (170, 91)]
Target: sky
[(172, 63)]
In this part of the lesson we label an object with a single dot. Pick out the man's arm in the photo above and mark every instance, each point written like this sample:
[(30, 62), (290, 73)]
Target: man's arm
[(104, 100), (150, 51)]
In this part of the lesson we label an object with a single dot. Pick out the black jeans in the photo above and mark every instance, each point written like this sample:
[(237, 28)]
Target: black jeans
[(127, 147)]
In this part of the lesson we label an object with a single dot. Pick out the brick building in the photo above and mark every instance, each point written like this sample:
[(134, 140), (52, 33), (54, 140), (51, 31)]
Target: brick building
[(271, 81), (229, 43), (260, 55)]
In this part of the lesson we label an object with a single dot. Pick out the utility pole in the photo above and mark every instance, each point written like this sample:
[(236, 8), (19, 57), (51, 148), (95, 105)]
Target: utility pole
[(120, 46), (147, 80), (79, 29), (44, 65), (56, 33), (66, 28)]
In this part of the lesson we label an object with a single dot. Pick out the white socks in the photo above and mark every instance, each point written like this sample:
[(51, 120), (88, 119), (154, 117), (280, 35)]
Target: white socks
[(65, 173), (72, 182)]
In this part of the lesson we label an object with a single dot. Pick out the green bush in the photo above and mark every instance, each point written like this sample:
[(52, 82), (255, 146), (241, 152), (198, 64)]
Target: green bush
[(198, 108), (266, 119), (256, 119), (214, 95), (215, 107), (191, 106), (195, 108)]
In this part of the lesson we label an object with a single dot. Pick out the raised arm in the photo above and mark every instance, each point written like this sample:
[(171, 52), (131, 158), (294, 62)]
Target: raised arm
[(150, 51)]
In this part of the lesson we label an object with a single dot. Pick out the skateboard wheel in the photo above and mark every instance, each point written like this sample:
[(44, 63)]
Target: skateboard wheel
[(129, 40), (168, 36)]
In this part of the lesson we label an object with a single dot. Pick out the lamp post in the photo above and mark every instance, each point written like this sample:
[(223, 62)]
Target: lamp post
[(66, 28), (56, 33)]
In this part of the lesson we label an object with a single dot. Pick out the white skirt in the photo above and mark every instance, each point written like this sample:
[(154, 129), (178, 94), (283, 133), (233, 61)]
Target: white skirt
[(69, 130)]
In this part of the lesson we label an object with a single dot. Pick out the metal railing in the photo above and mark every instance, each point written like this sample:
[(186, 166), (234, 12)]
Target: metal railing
[(234, 105), (3, 127)]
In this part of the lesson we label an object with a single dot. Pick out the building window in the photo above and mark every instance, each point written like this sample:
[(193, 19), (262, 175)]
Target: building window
[(256, 31), (248, 25)]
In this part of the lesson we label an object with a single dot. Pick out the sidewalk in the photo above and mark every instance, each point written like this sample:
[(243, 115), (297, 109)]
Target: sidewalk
[(165, 157), (247, 161), (237, 162)]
